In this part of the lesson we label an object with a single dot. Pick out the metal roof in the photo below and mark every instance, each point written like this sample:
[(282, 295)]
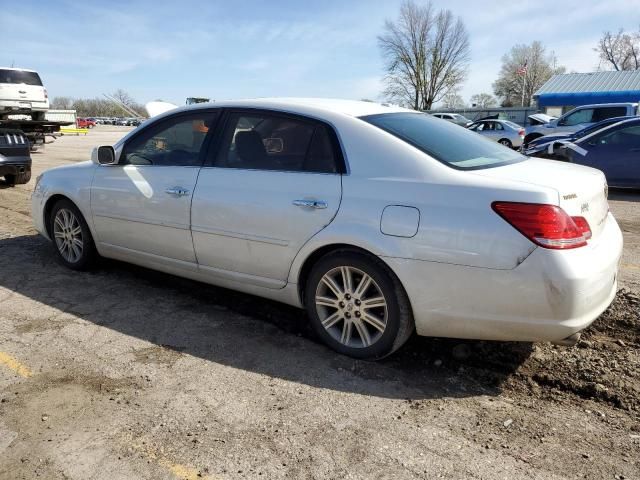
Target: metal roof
[(625, 81)]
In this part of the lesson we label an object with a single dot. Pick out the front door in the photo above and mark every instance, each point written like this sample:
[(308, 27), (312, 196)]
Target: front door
[(142, 204), (273, 184), (617, 153)]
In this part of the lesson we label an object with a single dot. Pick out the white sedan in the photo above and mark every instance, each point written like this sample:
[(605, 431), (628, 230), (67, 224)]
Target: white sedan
[(377, 220)]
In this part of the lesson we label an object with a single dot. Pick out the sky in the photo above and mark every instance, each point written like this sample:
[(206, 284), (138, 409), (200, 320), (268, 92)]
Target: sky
[(244, 49)]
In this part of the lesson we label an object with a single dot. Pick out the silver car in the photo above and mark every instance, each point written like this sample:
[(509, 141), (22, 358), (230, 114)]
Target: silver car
[(454, 118), (379, 221), (505, 132)]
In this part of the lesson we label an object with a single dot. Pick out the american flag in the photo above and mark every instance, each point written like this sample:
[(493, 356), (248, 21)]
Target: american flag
[(522, 70)]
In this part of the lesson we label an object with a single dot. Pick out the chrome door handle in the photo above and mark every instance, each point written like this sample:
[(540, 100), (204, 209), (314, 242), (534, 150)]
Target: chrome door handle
[(177, 191), (320, 204)]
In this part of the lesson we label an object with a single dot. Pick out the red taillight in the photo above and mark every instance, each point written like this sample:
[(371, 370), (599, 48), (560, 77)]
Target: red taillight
[(546, 225), (521, 133)]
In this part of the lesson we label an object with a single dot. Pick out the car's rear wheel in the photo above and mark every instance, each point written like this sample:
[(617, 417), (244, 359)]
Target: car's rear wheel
[(357, 306), (72, 240), (506, 142), (18, 178)]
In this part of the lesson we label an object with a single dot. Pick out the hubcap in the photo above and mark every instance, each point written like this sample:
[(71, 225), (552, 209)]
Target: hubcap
[(351, 307), (68, 235)]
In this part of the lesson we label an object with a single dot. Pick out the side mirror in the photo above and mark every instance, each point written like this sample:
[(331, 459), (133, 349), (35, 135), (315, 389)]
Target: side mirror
[(104, 155)]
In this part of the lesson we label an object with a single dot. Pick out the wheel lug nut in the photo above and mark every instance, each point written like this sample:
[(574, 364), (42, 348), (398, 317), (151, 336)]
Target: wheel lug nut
[(358, 314), (347, 296), (341, 304), (348, 315), (357, 302)]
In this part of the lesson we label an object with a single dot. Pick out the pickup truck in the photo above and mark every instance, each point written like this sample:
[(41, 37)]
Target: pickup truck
[(579, 118), (15, 159)]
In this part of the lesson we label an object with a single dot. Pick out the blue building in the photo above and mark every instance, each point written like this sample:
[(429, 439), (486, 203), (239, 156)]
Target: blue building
[(563, 92)]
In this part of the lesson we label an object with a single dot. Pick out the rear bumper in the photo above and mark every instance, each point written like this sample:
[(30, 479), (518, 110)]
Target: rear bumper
[(15, 165), (18, 106), (550, 296)]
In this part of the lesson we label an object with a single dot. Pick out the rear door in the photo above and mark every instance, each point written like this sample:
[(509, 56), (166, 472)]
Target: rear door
[(141, 206), (273, 182), (21, 86)]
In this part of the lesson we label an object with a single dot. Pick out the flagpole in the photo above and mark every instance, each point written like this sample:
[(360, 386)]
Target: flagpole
[(524, 75)]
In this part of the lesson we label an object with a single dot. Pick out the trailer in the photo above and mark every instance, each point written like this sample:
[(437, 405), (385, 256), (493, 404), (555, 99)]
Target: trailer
[(34, 130)]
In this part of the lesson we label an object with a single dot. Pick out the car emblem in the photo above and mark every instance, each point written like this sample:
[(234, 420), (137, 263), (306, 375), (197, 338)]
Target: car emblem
[(606, 190), (584, 207)]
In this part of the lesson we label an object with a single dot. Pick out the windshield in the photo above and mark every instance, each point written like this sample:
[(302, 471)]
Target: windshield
[(446, 142), (512, 125), (19, 76)]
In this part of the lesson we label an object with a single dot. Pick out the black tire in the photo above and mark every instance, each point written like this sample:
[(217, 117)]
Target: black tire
[(399, 319), (506, 142), (19, 178), (39, 116), (86, 259)]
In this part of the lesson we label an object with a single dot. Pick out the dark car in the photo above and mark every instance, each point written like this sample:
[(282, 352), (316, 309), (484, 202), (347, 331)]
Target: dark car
[(15, 159), (615, 150), (545, 146)]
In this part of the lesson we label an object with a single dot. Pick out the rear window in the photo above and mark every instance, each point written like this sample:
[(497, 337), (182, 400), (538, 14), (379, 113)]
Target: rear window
[(448, 143), (20, 76)]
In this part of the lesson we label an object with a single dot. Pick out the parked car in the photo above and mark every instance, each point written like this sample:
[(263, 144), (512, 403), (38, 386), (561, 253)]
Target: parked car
[(21, 92), (615, 150), (505, 132), (545, 146), (454, 118), (377, 219), (121, 122), (581, 117), (15, 157), (133, 122), (85, 123)]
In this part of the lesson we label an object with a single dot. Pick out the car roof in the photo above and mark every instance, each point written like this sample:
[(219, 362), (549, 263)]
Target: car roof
[(352, 108), (610, 127), (605, 105), (18, 69)]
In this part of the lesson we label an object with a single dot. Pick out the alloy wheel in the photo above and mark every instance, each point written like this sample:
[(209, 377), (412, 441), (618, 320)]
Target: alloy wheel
[(351, 307), (67, 233)]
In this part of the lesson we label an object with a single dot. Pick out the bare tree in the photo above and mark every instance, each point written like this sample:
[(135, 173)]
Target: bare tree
[(524, 70), (123, 97), (483, 100), (620, 50), (453, 100), (426, 55), (61, 103)]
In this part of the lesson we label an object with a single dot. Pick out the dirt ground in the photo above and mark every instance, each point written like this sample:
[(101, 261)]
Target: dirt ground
[(125, 373)]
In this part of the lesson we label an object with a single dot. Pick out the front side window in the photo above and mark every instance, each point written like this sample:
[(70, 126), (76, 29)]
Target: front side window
[(174, 142), (276, 142), (448, 143), (622, 137), (581, 116)]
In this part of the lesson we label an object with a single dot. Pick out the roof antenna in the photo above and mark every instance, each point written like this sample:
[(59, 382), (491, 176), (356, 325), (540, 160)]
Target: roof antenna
[(13, 63)]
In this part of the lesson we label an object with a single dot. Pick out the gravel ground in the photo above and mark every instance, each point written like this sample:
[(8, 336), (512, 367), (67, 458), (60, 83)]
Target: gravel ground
[(126, 373)]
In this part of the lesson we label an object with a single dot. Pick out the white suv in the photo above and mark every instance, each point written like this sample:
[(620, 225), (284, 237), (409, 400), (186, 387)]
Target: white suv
[(579, 118), (21, 92)]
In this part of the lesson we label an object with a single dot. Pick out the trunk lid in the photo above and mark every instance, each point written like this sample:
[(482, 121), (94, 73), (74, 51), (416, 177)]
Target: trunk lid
[(582, 191)]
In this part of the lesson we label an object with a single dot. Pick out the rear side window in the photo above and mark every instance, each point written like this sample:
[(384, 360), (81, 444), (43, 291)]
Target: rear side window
[(446, 142), (276, 142), (608, 112), (20, 77)]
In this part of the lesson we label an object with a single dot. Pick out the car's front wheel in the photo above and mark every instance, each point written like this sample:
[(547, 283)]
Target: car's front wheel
[(357, 306), (506, 142), (72, 240)]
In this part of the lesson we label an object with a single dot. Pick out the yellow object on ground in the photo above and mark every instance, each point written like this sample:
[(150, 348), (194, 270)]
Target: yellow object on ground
[(73, 131)]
